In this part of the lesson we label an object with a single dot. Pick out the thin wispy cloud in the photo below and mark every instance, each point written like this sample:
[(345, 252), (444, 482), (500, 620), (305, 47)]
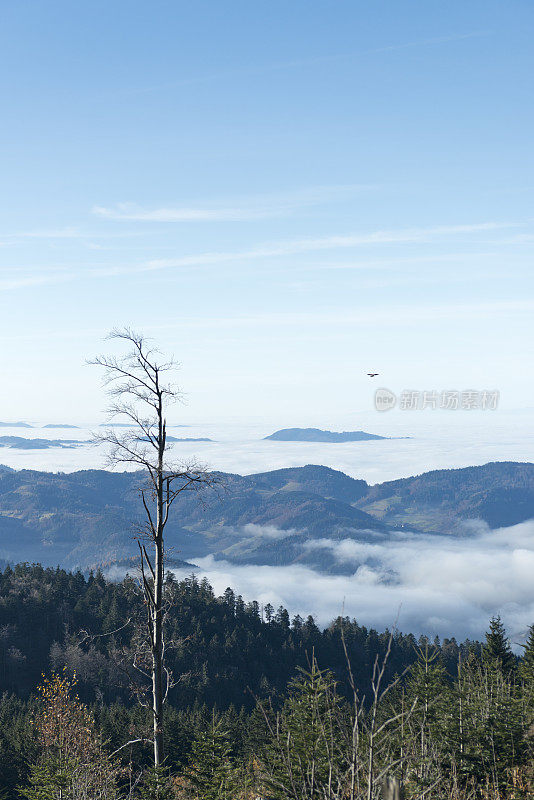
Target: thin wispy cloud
[(59, 233), (8, 284), (297, 246), (253, 531), (436, 40), (386, 315), (18, 237), (404, 262), (341, 57), (294, 247), (130, 212), (280, 66), (13, 278), (248, 208)]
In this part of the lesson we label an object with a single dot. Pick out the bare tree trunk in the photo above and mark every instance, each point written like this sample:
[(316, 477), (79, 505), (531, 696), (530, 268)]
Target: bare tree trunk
[(392, 789), (157, 657), (460, 698), (137, 381), (159, 569)]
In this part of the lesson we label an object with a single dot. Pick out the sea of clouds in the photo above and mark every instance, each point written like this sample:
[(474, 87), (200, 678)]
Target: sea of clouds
[(438, 440), (433, 584)]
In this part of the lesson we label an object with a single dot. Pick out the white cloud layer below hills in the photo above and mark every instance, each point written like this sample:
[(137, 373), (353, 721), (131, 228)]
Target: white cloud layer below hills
[(434, 584)]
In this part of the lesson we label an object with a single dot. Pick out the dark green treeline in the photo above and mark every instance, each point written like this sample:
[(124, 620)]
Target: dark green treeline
[(262, 705)]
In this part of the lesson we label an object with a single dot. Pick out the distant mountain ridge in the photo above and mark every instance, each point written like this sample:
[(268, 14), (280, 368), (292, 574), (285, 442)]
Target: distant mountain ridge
[(21, 443), (500, 493), (318, 435), (89, 517), (59, 425)]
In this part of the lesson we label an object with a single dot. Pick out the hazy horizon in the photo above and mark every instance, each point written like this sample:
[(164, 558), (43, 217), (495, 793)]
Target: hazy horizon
[(438, 440)]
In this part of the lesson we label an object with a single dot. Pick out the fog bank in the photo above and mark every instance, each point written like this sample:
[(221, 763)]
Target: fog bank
[(434, 584)]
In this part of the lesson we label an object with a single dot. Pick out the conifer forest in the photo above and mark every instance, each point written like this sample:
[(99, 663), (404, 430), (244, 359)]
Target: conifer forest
[(259, 705)]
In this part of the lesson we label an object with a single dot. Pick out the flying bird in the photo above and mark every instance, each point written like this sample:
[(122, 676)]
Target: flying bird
[(373, 374)]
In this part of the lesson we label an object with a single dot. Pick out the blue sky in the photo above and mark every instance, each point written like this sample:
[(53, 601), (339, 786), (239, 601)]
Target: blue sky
[(286, 195)]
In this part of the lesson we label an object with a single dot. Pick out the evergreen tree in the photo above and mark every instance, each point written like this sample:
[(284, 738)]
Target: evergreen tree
[(527, 663), (527, 677), (303, 754), (229, 599), (17, 746), (211, 770), (156, 785), (425, 734), (282, 618), (49, 781), (268, 611), (497, 647), (492, 731)]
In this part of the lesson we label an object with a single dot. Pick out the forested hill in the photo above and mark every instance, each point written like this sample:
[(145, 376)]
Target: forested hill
[(226, 652), (317, 435), (87, 518), (500, 493)]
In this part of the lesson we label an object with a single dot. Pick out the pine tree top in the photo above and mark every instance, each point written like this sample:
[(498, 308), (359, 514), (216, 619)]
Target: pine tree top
[(497, 647), (528, 655)]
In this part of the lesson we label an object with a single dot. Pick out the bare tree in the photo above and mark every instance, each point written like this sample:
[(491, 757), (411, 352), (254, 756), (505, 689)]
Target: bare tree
[(140, 393)]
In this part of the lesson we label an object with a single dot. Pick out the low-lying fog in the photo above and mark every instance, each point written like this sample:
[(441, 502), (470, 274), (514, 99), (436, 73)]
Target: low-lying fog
[(434, 584)]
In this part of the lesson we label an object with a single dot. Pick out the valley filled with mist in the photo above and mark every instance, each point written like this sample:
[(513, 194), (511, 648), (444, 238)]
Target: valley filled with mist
[(362, 533)]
